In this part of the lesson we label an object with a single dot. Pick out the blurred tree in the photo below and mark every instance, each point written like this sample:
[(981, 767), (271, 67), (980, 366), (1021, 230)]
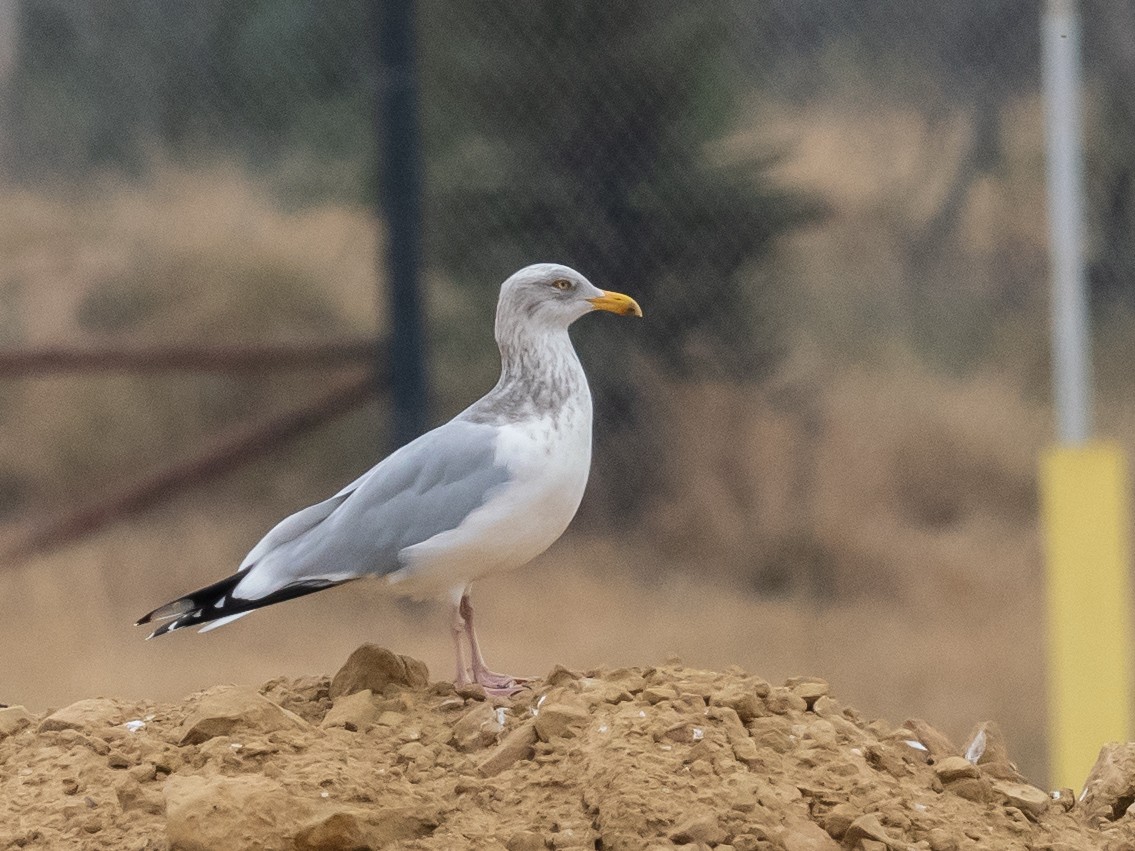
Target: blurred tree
[(108, 82), (1110, 30), (577, 133)]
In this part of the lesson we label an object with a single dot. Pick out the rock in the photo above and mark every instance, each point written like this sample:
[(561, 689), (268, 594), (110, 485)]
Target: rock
[(83, 715), (560, 720), (941, 839), (375, 668), (132, 796), (572, 834), (803, 835), (357, 830), (885, 758), (525, 840), (781, 701), (1028, 799), (977, 789), (935, 742), (702, 829), (986, 744), (629, 678), (659, 693), (230, 813), (341, 831), (1110, 785), (389, 718), (769, 733), (955, 768), (516, 746), (1064, 798), (870, 828), (560, 676), (825, 707), (479, 727), (747, 704), (353, 711), (13, 719), (596, 692), (144, 772), (1002, 771), (986, 747), (225, 710), (413, 752), (471, 691), (745, 750), (839, 819), (810, 689)]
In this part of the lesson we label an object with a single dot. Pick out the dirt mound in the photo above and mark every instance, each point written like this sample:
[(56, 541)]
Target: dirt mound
[(614, 759)]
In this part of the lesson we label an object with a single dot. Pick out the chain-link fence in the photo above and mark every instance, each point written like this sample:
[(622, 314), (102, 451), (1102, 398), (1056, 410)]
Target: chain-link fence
[(764, 177), (832, 212)]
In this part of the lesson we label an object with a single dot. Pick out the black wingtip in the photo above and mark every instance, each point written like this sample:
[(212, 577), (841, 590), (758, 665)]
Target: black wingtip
[(215, 602), (163, 629)]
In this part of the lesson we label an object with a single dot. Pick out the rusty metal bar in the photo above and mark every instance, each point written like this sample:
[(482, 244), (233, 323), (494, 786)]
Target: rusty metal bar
[(231, 358), (227, 450)]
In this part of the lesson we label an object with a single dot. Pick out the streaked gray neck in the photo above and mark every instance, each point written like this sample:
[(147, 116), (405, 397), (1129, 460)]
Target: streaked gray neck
[(540, 376)]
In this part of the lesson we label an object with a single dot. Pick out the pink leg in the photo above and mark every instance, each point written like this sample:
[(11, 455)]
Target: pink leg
[(457, 630), (481, 674)]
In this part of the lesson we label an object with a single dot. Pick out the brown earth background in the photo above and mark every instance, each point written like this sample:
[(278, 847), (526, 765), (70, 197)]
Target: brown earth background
[(613, 758)]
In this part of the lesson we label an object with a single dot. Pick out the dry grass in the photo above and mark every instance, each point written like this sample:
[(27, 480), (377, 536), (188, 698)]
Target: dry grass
[(187, 257)]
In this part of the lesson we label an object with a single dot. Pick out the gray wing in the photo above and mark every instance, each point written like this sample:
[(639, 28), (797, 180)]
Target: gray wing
[(427, 487), (304, 520)]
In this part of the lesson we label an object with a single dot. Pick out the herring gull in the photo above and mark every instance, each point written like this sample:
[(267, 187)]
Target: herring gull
[(487, 491)]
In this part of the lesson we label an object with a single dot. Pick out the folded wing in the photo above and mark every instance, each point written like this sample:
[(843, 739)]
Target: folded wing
[(427, 487)]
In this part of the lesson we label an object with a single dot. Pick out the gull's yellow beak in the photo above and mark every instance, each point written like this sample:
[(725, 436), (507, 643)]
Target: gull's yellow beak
[(618, 303)]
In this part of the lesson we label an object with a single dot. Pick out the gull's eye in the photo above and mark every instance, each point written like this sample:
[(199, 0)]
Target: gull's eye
[(561, 284)]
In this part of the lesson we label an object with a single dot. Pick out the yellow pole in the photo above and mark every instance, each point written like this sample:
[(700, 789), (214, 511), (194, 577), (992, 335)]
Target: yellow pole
[(1085, 511)]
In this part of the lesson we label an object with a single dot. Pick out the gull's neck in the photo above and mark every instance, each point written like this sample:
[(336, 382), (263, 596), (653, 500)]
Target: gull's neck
[(541, 376)]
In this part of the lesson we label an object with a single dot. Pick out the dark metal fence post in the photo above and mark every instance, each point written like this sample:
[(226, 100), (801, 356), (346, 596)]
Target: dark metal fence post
[(400, 204)]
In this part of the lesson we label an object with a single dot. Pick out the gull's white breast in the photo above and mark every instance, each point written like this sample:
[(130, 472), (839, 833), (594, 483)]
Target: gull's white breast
[(548, 460)]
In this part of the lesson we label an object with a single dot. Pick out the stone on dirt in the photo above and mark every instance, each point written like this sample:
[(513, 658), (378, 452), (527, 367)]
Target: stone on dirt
[(13, 719), (953, 768), (558, 720), (376, 668), (801, 835), (870, 828), (935, 742), (231, 813), (83, 715), (226, 710), (359, 829), (1110, 786), (745, 702), (635, 759), (352, 711), (479, 727), (516, 746), (526, 840), (703, 829), (839, 819), (810, 689), (1028, 799)]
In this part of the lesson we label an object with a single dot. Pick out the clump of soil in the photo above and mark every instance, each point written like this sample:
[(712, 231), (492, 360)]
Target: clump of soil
[(632, 758)]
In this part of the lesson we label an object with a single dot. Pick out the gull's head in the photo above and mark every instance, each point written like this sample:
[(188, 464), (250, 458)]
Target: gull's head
[(552, 295)]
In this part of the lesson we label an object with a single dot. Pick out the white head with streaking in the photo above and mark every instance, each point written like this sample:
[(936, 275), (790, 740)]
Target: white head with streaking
[(485, 492)]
